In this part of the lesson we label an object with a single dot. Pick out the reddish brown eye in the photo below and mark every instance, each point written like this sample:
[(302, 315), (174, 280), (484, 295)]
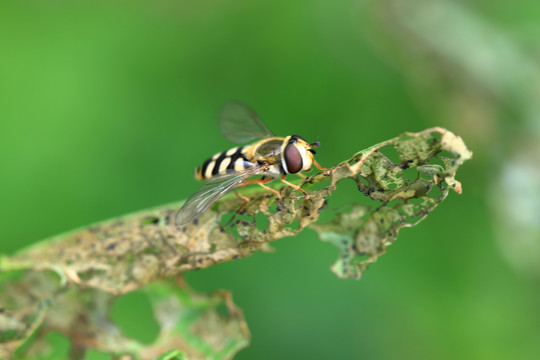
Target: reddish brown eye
[(293, 159)]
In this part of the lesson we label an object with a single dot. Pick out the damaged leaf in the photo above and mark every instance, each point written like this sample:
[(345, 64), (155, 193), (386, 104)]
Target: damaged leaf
[(363, 233), (191, 325), (95, 264)]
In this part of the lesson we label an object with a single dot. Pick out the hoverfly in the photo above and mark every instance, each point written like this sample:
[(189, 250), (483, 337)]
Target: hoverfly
[(271, 157)]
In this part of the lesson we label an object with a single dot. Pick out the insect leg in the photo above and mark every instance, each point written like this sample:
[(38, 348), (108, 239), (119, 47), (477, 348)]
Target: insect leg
[(318, 166), (252, 181), (292, 185), (241, 197), (246, 199), (240, 209), (262, 182)]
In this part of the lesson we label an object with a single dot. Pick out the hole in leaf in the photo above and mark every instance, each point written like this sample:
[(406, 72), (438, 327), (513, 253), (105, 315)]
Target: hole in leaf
[(93, 354), (58, 346), (435, 192), (261, 221), (409, 175), (437, 161), (222, 309), (347, 192), (391, 153), (309, 187), (293, 226), (226, 218), (143, 327)]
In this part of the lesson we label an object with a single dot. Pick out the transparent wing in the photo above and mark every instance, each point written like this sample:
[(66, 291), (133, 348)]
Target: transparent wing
[(240, 124), (211, 191)]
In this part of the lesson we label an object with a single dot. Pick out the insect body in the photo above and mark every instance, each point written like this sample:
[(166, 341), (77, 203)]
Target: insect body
[(281, 155), (270, 157)]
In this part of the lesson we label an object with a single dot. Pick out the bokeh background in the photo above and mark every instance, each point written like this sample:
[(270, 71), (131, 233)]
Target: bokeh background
[(107, 106)]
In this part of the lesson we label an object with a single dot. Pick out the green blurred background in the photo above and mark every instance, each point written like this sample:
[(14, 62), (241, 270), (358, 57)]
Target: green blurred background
[(107, 106)]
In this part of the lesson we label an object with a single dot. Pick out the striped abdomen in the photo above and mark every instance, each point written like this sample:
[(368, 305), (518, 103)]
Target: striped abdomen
[(230, 161)]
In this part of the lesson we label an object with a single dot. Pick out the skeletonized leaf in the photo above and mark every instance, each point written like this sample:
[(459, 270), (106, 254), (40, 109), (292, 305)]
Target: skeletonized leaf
[(192, 326), (406, 177)]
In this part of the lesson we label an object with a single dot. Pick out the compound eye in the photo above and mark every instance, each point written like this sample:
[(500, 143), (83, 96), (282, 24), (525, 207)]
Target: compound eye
[(293, 159)]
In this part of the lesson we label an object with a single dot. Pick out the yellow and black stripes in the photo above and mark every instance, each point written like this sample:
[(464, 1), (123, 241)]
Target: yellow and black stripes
[(230, 161)]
